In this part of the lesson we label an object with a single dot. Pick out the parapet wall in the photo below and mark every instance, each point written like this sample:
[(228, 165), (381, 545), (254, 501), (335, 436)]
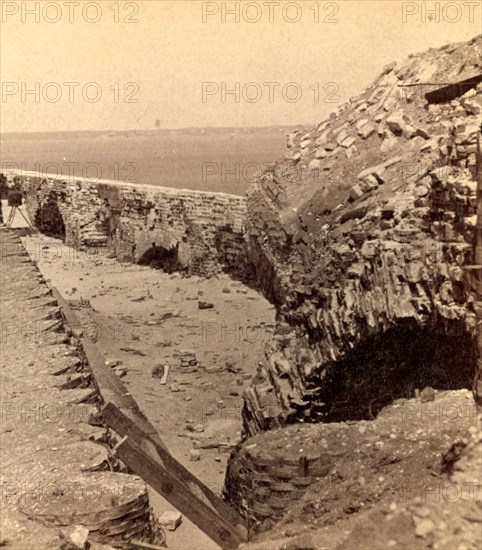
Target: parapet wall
[(193, 231)]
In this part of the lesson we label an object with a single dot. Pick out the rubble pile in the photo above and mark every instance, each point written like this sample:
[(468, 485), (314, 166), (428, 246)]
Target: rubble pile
[(360, 234)]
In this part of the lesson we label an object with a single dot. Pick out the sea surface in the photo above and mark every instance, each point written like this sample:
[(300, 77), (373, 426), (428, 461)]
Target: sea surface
[(207, 159)]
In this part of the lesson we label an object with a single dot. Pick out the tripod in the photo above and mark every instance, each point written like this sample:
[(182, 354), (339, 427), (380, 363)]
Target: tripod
[(29, 229)]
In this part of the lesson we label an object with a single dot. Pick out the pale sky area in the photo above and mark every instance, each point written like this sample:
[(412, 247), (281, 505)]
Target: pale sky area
[(170, 52)]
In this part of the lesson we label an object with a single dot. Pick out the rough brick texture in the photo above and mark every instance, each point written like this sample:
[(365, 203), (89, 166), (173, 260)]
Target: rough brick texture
[(141, 223), (360, 239)]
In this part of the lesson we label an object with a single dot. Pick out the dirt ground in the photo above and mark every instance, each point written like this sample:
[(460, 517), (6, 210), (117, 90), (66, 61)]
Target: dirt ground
[(141, 319)]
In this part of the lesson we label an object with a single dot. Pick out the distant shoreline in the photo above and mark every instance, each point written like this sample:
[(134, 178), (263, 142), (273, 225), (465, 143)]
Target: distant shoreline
[(190, 130)]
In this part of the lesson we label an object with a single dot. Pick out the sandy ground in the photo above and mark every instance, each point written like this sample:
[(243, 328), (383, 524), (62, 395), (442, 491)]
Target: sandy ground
[(145, 318)]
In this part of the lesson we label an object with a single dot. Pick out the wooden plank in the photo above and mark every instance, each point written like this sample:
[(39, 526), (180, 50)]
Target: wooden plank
[(109, 384), (118, 422), (169, 486), (453, 90), (67, 313), (165, 375), (122, 414)]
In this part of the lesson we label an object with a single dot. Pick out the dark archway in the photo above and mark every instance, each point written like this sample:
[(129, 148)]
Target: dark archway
[(48, 218), (162, 258), (393, 365)]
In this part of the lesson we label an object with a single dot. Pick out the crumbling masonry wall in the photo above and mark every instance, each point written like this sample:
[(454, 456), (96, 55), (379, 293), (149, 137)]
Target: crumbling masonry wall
[(199, 232), (361, 236), (366, 226)]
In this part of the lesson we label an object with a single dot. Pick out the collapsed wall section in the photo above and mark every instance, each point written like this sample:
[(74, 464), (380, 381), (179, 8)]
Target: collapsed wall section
[(177, 230), (365, 227)]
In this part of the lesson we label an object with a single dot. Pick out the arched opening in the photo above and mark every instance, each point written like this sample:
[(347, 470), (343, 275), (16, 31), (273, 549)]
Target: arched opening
[(395, 364), (165, 259), (48, 218)]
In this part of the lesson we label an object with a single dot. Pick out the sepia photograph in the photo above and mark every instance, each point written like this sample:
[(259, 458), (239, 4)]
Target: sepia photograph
[(240, 275)]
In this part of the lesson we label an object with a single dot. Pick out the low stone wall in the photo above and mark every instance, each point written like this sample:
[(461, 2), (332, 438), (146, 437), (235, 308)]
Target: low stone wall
[(197, 232)]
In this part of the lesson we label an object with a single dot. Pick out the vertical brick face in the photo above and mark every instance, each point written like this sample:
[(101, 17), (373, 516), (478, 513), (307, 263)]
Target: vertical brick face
[(137, 222)]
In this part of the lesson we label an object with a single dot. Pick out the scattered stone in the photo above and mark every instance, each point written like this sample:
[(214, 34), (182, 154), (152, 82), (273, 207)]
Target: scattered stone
[(388, 143), (427, 394), (314, 164), (231, 367), (340, 138), (74, 537), (350, 152), (321, 153), (366, 131), (112, 363), (120, 371), (157, 371), (370, 182), (194, 455), (424, 527), (330, 146), (356, 192), (205, 305), (171, 520), (422, 133), (348, 142), (397, 122), (361, 123), (188, 359)]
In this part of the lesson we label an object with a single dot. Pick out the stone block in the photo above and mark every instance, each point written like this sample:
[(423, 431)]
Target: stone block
[(366, 131), (170, 520), (356, 192)]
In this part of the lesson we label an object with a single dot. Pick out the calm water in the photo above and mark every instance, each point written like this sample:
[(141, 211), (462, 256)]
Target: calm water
[(205, 159)]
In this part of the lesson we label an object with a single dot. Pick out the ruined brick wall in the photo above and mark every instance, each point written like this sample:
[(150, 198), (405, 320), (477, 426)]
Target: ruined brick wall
[(139, 222), (365, 227)]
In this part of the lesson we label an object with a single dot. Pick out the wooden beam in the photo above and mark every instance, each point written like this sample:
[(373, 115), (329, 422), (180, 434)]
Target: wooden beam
[(109, 384), (172, 489), (67, 313), (453, 90), (122, 414), (122, 425)]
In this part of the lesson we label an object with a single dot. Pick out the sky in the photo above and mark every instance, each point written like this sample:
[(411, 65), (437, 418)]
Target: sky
[(107, 65)]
